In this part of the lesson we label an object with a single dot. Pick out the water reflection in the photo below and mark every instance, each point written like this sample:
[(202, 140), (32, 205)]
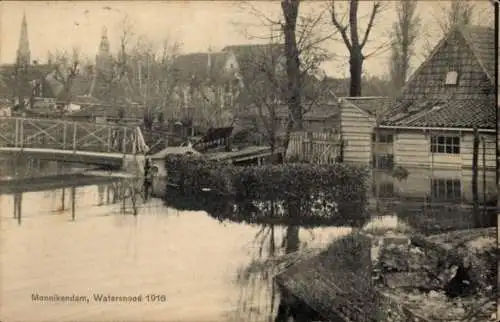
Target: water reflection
[(21, 166), (214, 258), (71, 197), (436, 201)]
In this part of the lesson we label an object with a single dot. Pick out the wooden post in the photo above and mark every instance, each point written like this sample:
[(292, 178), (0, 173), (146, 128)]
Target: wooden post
[(475, 157), (18, 200), (74, 136), (15, 206), (73, 202), (122, 193), (63, 198), (133, 199)]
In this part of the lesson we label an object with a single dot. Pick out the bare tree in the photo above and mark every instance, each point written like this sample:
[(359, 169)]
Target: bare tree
[(216, 102), (267, 95), (285, 83), (455, 13), (152, 74), (459, 14), (67, 67), (126, 36), (352, 41), (405, 33)]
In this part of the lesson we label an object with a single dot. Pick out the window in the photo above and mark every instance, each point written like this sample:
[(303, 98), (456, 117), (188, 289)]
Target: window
[(382, 137), (383, 161), (445, 144), (446, 189), (383, 189), (451, 78)]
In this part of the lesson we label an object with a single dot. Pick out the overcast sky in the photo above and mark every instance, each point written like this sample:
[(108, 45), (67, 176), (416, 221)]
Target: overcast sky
[(197, 24)]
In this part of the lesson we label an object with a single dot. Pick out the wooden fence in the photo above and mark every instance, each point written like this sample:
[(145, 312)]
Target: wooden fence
[(315, 147)]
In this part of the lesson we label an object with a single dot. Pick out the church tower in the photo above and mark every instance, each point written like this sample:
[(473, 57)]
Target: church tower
[(104, 60), (23, 51)]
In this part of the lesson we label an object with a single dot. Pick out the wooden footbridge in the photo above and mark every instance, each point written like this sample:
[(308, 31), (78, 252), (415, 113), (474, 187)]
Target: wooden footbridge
[(69, 141)]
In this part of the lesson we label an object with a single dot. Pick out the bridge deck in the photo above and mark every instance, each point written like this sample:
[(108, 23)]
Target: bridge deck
[(63, 140)]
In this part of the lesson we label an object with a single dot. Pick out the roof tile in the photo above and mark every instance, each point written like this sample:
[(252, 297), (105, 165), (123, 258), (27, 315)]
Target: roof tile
[(452, 114)]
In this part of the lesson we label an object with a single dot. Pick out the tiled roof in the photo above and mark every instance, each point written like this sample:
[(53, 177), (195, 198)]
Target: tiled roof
[(482, 42), (452, 114), (428, 102), (374, 105), (196, 66)]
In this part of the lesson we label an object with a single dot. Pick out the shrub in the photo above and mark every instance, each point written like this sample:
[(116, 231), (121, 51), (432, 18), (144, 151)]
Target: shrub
[(336, 189)]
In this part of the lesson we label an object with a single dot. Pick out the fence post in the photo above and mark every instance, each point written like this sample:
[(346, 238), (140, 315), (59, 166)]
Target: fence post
[(74, 136)]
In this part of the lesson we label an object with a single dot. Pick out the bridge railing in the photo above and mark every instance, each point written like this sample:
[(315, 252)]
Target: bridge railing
[(67, 135)]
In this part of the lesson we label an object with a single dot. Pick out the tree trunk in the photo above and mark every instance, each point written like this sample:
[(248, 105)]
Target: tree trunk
[(356, 68), (290, 12)]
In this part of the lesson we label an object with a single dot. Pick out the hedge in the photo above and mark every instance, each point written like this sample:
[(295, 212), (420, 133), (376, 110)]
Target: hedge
[(299, 188)]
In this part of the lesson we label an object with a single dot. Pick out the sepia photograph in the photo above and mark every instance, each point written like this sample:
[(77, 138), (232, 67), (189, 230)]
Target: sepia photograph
[(253, 161)]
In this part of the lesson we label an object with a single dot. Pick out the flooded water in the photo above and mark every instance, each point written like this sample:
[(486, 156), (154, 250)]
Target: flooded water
[(203, 267), (185, 265)]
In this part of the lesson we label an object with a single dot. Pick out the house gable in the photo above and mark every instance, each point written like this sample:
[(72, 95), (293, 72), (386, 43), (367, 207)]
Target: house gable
[(453, 54)]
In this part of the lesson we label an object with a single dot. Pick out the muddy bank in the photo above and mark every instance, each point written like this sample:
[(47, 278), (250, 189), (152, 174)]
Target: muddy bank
[(398, 276), (445, 277)]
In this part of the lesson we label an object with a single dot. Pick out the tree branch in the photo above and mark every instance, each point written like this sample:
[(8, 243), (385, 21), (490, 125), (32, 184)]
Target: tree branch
[(340, 28), (375, 9)]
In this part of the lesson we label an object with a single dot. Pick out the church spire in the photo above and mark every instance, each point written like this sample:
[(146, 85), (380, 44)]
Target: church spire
[(23, 51)]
